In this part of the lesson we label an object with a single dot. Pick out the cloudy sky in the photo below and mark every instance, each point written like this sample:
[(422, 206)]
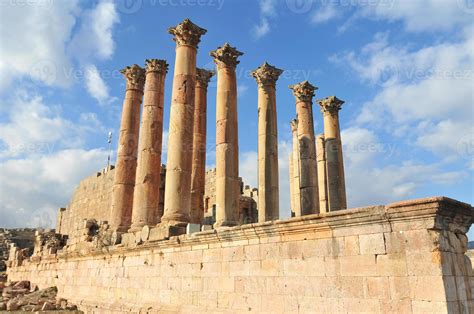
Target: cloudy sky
[(404, 68)]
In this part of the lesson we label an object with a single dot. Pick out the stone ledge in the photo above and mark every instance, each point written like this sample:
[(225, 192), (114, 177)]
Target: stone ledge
[(426, 213)]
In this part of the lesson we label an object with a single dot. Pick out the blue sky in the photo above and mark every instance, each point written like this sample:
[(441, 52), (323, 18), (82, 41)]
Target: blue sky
[(404, 68)]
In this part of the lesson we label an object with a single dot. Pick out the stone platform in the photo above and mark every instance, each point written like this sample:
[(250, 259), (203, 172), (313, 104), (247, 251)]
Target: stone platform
[(406, 257)]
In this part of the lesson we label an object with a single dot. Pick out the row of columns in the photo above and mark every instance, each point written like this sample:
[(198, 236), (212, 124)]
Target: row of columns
[(317, 183), (137, 177)]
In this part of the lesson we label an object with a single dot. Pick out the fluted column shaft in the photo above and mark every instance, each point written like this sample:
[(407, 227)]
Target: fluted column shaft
[(198, 174), (268, 184), (180, 141), (147, 182), (126, 165), (330, 107), (296, 169), (227, 147), (322, 173), (304, 93)]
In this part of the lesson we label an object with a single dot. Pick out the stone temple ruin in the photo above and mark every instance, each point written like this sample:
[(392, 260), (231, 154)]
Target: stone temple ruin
[(142, 237)]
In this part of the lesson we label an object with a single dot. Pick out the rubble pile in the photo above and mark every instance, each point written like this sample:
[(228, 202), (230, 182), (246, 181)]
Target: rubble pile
[(23, 238), (21, 296)]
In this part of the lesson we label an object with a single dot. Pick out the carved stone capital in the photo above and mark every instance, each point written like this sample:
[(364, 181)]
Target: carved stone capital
[(294, 125), (135, 76), (156, 65), (203, 76), (266, 74), (303, 91), (226, 56), (330, 105), (187, 33)]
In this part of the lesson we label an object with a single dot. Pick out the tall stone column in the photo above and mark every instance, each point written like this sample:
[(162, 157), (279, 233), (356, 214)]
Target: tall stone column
[(292, 185), (322, 173), (126, 165), (180, 142), (268, 187), (304, 93), (330, 107), (198, 174), (227, 145), (147, 182), (296, 169)]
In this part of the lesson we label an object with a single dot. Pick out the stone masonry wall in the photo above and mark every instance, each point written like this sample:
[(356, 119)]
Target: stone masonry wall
[(91, 199), (405, 257)]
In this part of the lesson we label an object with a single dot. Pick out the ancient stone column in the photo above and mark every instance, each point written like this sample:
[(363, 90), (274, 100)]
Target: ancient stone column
[(330, 107), (227, 145), (268, 187), (322, 173), (198, 174), (147, 181), (296, 169), (180, 142), (292, 185), (304, 93), (126, 165)]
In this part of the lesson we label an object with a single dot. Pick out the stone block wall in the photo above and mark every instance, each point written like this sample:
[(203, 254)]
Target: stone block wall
[(406, 257), (91, 199)]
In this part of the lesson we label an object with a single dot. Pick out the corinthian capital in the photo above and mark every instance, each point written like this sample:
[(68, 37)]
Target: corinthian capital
[(294, 125), (156, 65), (266, 74), (330, 105), (303, 91), (226, 56), (135, 76), (203, 76), (187, 33)]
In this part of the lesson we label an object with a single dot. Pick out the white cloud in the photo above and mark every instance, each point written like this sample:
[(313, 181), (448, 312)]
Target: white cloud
[(94, 38), (33, 40), (421, 15), (369, 182), (33, 127), (324, 14), (43, 159), (425, 92), (33, 188), (45, 46), (267, 11), (261, 29), (96, 86)]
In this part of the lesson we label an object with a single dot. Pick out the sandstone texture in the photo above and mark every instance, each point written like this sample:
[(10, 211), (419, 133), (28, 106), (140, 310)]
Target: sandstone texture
[(406, 257)]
